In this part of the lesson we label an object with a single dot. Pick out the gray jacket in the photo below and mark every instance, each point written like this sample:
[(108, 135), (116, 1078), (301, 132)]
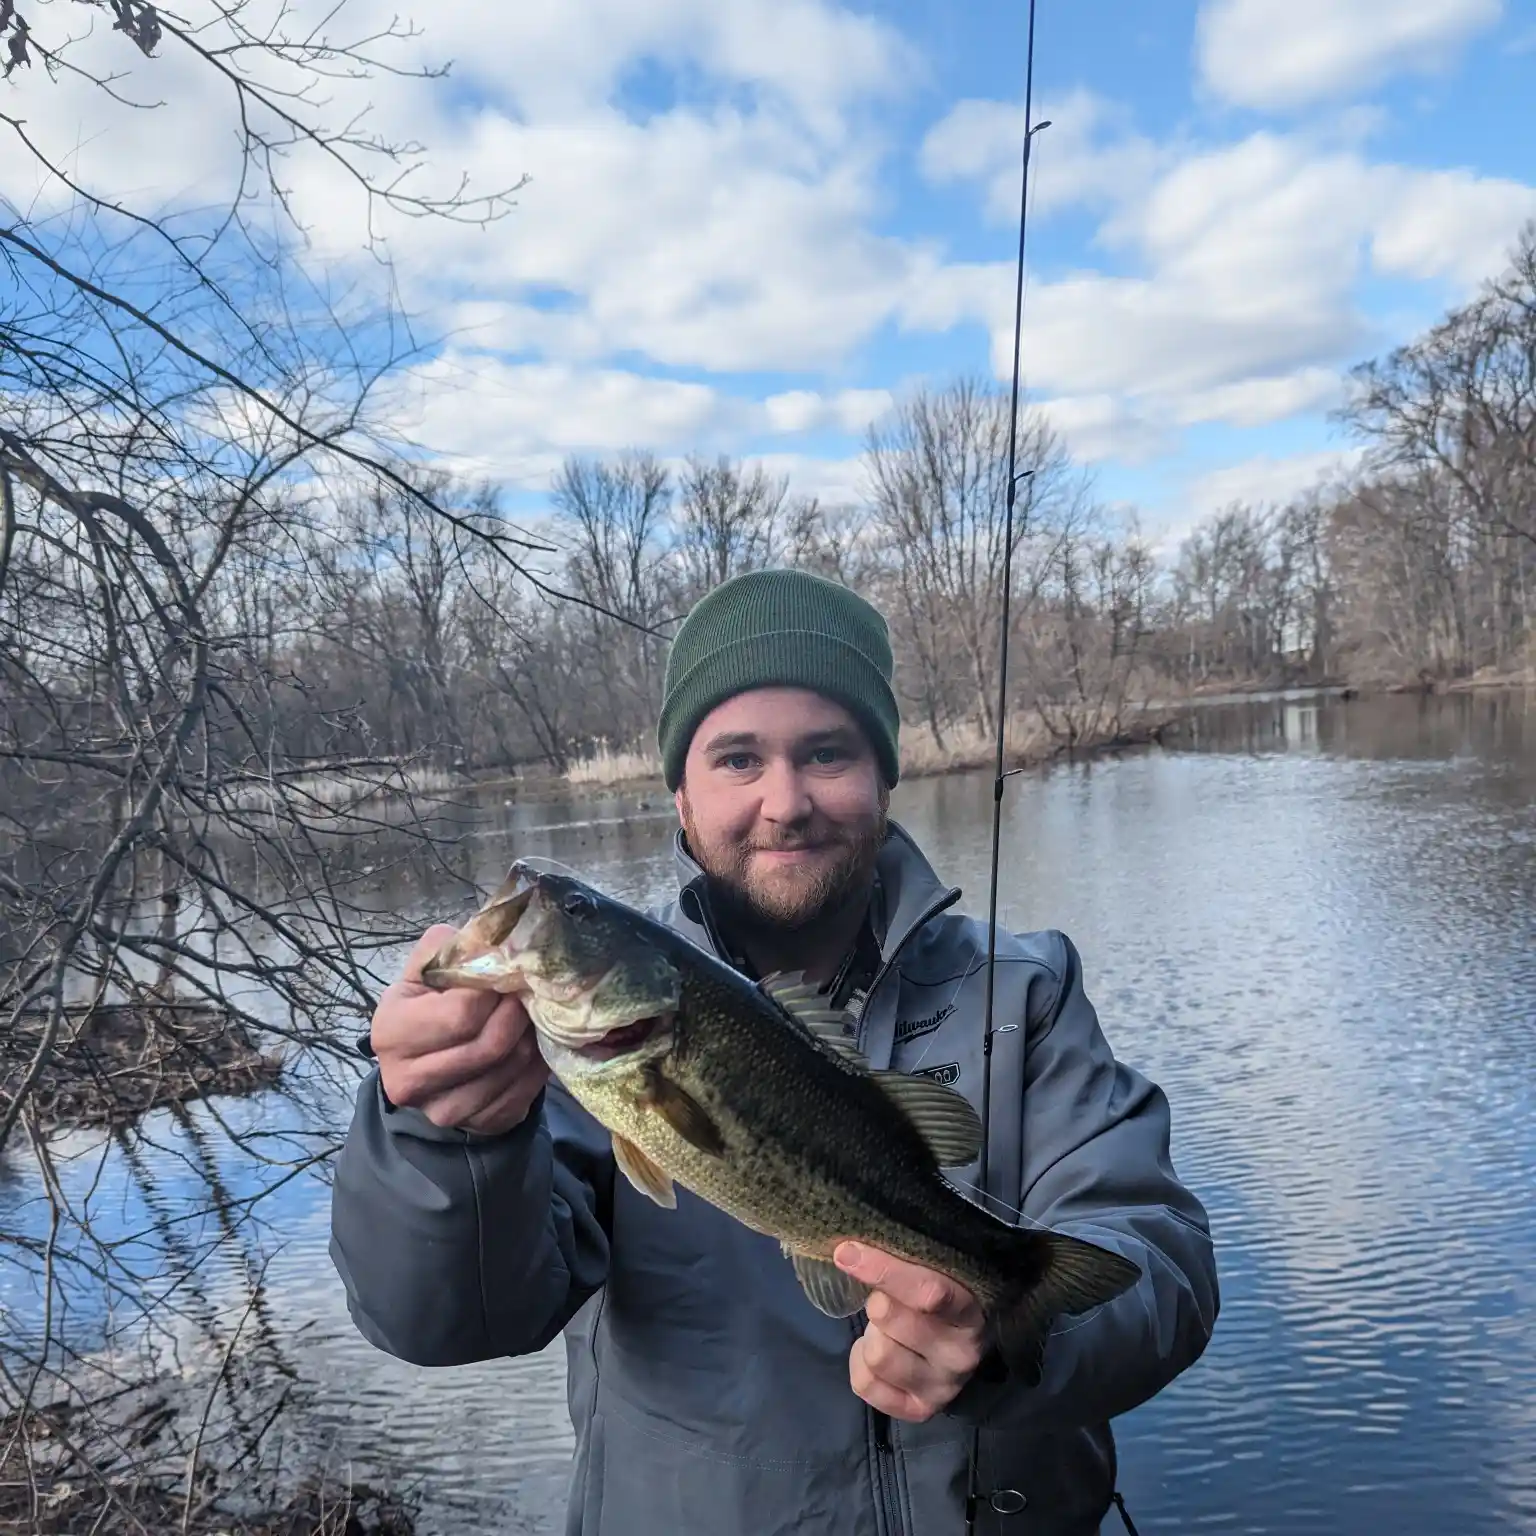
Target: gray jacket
[(708, 1397)]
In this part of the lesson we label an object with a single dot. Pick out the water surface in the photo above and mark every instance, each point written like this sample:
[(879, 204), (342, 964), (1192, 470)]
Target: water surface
[(1314, 924)]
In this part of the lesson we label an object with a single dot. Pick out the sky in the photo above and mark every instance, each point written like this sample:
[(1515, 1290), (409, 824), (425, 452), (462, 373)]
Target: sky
[(750, 225)]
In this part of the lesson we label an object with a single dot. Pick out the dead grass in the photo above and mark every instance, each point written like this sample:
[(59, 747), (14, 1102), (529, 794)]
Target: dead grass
[(967, 746), (609, 767)]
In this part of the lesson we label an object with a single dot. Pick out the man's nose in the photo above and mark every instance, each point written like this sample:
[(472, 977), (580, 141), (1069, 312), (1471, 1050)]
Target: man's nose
[(784, 795)]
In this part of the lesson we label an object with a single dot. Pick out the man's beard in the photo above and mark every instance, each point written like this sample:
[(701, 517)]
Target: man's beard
[(746, 903)]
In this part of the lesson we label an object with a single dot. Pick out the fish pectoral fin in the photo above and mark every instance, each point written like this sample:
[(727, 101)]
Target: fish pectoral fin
[(644, 1173), (829, 1289), (943, 1118), (682, 1112), (808, 1005)]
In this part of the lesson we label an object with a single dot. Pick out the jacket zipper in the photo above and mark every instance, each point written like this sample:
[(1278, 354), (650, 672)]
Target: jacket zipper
[(943, 904), (885, 1474), (883, 1469)]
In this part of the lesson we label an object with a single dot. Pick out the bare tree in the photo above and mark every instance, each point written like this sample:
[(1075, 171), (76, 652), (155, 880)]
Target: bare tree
[(183, 827), (938, 480), (1082, 636), (617, 516), (1451, 422), (730, 519)]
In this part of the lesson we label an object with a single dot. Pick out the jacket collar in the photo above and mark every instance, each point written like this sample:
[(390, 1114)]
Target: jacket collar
[(910, 891)]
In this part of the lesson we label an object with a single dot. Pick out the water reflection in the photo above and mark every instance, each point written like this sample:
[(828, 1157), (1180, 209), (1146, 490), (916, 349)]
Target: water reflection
[(1314, 922)]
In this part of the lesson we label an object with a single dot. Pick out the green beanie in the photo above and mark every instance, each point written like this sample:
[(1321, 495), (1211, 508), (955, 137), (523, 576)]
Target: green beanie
[(784, 629)]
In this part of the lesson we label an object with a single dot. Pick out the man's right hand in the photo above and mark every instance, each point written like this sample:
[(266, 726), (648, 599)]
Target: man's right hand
[(464, 1058)]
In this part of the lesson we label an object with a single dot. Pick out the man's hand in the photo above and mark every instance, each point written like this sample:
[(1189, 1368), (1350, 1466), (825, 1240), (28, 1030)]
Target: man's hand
[(924, 1339), (463, 1058)]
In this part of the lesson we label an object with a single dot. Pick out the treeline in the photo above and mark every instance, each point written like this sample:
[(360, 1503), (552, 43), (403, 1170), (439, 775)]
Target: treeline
[(431, 646), (1423, 568), (375, 628)]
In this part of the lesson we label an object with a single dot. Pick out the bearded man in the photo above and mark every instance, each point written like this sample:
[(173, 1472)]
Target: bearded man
[(477, 1212)]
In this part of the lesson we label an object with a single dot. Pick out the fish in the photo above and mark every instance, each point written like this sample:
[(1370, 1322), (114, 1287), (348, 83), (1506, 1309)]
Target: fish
[(753, 1097)]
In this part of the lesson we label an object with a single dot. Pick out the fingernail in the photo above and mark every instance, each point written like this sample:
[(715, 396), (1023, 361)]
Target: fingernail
[(848, 1256)]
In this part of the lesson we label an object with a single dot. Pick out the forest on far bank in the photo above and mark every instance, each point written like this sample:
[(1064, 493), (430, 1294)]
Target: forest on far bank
[(374, 618)]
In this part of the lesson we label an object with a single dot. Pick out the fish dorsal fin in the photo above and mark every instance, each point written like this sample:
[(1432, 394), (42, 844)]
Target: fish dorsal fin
[(943, 1118), (803, 1001)]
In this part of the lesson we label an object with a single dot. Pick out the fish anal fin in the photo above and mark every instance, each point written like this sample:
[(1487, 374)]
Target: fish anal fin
[(644, 1173), (943, 1117), (827, 1287), (1078, 1276), (682, 1112)]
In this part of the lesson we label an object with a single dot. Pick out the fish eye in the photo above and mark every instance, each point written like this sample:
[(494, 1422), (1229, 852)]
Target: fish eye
[(577, 904)]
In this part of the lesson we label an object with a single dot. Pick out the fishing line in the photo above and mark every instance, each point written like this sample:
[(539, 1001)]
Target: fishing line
[(1003, 1500)]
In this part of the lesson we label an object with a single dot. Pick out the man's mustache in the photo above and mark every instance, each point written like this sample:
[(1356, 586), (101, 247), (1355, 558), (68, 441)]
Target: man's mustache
[(798, 844)]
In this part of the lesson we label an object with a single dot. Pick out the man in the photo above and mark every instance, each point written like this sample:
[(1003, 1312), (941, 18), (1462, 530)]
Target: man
[(477, 1211)]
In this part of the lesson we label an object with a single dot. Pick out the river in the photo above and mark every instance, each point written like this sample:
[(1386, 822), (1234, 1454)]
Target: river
[(1313, 922)]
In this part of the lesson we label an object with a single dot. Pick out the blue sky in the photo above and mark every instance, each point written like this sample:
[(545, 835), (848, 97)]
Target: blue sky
[(751, 224)]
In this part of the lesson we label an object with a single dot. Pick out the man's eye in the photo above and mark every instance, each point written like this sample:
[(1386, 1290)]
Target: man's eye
[(826, 755), (739, 762)]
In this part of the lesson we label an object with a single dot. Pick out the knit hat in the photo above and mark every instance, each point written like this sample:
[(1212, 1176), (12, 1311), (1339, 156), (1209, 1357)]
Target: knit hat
[(779, 628)]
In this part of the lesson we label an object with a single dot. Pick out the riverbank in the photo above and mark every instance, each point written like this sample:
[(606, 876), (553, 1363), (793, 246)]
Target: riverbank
[(62, 1473), (114, 1063), (1031, 742)]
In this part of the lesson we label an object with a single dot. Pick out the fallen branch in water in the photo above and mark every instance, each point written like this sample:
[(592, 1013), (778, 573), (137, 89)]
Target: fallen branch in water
[(125, 1059)]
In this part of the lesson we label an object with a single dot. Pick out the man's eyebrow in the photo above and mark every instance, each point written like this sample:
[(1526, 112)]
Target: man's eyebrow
[(731, 739), (735, 740)]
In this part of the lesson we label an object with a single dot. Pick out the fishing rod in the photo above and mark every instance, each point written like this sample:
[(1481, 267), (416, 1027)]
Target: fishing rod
[(1004, 1501)]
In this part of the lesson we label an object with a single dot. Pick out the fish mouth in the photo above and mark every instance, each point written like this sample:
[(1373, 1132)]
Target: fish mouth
[(626, 1038)]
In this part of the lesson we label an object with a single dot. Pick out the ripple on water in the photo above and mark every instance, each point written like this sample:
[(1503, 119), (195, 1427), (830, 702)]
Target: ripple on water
[(1322, 945)]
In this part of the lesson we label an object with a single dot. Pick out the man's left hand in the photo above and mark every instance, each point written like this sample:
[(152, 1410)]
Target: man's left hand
[(924, 1339)]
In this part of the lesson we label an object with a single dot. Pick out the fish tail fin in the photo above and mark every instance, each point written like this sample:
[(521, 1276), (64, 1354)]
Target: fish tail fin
[(1051, 1274)]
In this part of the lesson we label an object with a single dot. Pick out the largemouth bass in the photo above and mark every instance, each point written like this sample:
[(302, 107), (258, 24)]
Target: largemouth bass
[(752, 1097)]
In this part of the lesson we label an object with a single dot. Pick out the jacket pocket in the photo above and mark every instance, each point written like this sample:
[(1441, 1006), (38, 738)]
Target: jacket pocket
[(656, 1483)]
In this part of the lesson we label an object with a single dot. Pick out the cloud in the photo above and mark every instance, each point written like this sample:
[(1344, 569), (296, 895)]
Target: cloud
[(805, 410), (1287, 53), (1448, 224), (1105, 426), (836, 482), (558, 59), (1268, 480), (1256, 402), (1087, 156), (517, 421), (725, 241), (710, 203), (1243, 298)]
